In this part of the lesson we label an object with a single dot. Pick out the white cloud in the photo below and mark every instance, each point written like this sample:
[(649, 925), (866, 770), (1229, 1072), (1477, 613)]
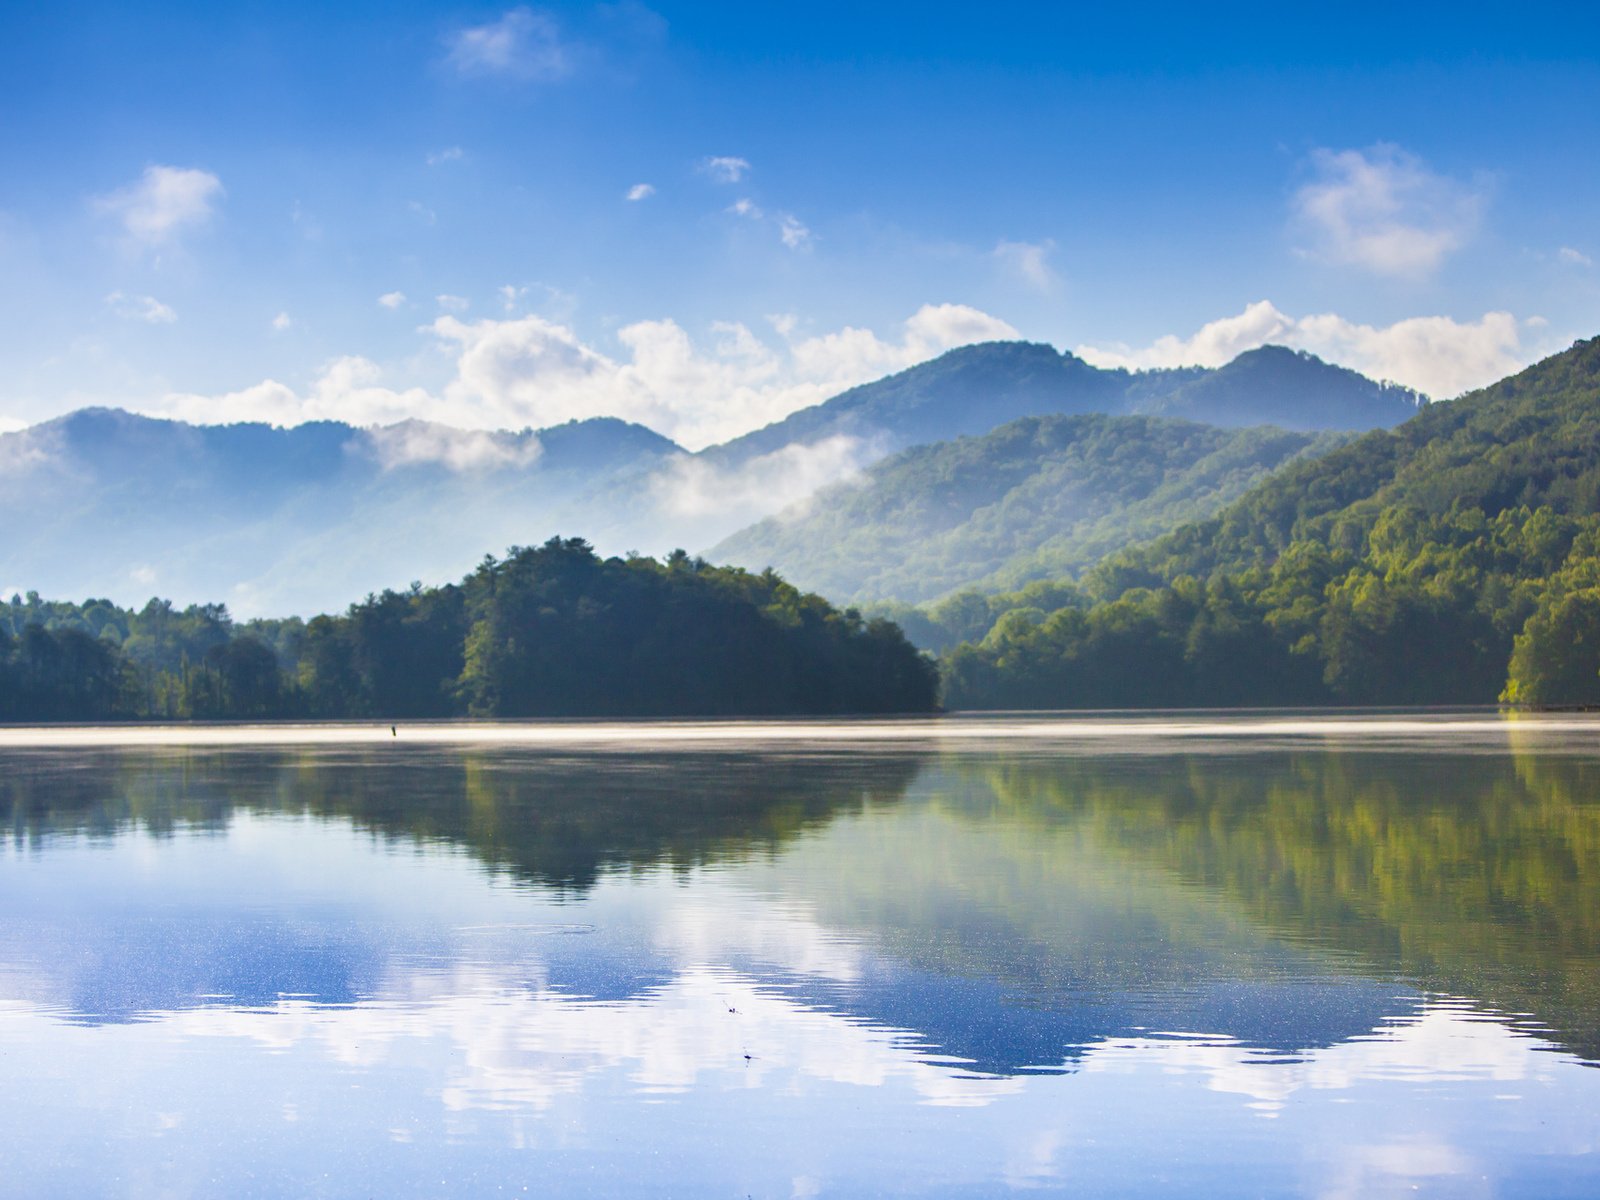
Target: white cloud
[(851, 356), (529, 371), (164, 202), (11, 425), (452, 303), (141, 308), (392, 299), (693, 487), (1029, 261), (36, 449), (411, 443), (1384, 211), (522, 44), (794, 234), (348, 389), (1576, 258), (726, 168), (282, 322), (448, 154), (1437, 355), (641, 191), (422, 212)]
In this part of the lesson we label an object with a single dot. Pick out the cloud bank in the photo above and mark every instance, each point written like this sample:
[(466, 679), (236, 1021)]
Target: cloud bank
[(531, 372), (1437, 355)]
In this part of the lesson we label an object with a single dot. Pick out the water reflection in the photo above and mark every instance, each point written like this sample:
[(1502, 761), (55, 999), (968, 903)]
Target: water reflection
[(1323, 970)]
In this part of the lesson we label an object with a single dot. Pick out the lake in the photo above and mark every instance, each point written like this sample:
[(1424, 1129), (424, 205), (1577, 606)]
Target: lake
[(1249, 955)]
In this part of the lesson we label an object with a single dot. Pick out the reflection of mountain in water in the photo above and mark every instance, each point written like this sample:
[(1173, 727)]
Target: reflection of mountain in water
[(1002, 909), (1014, 942), (1473, 874)]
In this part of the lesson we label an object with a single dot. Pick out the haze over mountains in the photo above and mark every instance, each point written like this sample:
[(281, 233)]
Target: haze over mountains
[(278, 521), (1037, 498)]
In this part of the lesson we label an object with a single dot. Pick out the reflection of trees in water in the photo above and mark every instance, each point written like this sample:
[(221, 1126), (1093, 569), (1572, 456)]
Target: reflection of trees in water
[(552, 819), (1473, 874)]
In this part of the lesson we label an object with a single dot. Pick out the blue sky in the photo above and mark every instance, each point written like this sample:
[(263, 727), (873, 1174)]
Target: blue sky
[(268, 211)]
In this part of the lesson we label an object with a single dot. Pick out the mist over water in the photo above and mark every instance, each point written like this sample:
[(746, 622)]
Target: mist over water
[(1269, 954)]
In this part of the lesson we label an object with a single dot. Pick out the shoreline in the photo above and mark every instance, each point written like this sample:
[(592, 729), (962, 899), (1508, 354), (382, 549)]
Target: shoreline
[(1227, 726)]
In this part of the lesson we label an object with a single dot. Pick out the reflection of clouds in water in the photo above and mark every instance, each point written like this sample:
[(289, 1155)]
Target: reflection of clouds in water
[(494, 1055), (722, 924), (512, 1048), (1033, 1161), (1403, 1166), (1445, 1043)]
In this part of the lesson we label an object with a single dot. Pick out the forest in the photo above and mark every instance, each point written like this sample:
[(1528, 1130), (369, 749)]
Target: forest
[(1452, 560), (1038, 498), (552, 630)]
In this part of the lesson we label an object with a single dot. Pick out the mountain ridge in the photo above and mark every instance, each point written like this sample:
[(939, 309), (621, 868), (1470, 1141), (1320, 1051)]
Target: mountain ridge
[(305, 518)]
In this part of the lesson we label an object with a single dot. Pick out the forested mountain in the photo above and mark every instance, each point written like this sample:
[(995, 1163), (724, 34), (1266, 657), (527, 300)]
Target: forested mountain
[(553, 630), (1451, 560), (272, 520), (1039, 498), (1272, 386), (974, 389)]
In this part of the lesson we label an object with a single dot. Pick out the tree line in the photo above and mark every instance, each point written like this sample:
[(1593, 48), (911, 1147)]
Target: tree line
[(1454, 609), (552, 630)]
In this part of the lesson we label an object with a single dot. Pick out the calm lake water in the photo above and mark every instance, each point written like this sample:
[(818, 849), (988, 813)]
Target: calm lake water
[(1254, 956)]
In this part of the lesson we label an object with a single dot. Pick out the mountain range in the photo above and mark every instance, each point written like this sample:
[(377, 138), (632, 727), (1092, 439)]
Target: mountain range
[(277, 521)]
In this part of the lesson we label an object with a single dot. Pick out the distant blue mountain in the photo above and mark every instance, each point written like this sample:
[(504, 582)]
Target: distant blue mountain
[(269, 520), (276, 521)]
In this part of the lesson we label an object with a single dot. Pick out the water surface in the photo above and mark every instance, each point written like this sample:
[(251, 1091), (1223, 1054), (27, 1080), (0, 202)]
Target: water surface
[(1277, 954)]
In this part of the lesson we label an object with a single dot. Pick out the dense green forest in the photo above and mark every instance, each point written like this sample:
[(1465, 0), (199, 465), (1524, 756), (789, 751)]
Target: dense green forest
[(1454, 559), (547, 631), (1038, 498)]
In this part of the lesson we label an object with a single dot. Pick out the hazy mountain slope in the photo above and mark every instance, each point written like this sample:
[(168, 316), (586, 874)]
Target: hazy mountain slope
[(102, 502), (1039, 497)]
